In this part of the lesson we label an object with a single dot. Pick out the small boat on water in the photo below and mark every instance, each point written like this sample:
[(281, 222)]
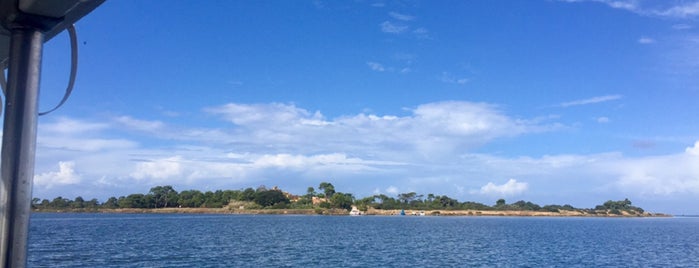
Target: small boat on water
[(355, 211), (402, 212)]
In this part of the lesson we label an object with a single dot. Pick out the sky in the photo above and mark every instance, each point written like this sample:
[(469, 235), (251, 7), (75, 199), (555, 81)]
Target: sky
[(554, 102)]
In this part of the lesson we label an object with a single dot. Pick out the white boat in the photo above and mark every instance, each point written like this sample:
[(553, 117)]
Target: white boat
[(355, 211)]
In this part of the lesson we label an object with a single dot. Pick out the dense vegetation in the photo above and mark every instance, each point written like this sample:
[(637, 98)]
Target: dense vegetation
[(326, 197)]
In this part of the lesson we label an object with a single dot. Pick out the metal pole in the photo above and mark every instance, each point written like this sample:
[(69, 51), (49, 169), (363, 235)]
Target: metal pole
[(19, 144)]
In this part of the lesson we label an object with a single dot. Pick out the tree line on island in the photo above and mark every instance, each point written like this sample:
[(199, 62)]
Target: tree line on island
[(325, 198)]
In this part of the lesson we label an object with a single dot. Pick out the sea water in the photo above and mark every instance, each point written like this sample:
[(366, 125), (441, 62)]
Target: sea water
[(177, 240)]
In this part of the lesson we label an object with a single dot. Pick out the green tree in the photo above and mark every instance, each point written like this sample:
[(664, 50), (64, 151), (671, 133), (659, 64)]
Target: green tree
[(111, 203), (618, 206), (270, 198), (383, 201), (500, 204), (621, 205), (327, 188), (522, 205), (475, 206), (430, 198), (134, 201), (230, 195), (406, 198), (79, 202), (36, 203), (552, 208), (342, 200), (446, 202), (190, 199), (310, 192), (45, 203), (248, 194), (163, 196), (364, 203), (92, 204), (60, 202)]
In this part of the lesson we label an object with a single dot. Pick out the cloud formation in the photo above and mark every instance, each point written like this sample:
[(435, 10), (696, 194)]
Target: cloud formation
[(400, 16), (592, 100), (511, 187), (65, 175), (694, 150), (424, 147), (159, 169), (429, 128), (267, 140), (646, 40), (375, 66), (451, 79), (422, 33), (393, 28), (670, 9), (659, 175)]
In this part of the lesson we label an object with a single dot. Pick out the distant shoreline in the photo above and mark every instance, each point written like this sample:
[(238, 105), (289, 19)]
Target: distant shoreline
[(369, 212)]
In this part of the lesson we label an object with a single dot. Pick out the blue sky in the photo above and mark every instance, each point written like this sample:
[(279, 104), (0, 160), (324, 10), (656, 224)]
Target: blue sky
[(573, 102)]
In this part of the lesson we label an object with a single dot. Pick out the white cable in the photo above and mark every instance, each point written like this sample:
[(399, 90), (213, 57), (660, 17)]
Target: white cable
[(3, 86), (73, 70), (3, 80), (73, 67)]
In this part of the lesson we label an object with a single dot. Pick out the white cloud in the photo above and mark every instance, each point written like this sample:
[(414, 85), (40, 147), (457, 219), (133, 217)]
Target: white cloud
[(302, 162), (392, 190), (646, 40), (422, 33), (273, 141), (375, 66), (65, 175), (378, 67), (451, 79), (400, 16), (140, 125), (431, 127), (672, 9), (694, 150), (603, 120), (389, 27), (159, 169), (662, 175), (511, 187), (82, 144), (69, 126), (459, 118), (422, 149), (265, 114), (682, 27), (684, 10), (593, 100), (71, 134)]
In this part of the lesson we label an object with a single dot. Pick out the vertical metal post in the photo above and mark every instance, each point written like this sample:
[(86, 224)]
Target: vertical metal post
[(19, 144)]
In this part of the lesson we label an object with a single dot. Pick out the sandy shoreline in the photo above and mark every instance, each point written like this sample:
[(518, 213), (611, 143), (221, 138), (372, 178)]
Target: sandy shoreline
[(369, 212)]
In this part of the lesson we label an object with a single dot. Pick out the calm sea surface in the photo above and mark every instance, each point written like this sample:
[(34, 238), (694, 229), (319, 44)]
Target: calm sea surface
[(129, 240)]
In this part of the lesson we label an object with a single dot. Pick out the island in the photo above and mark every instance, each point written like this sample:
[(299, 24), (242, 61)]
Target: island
[(325, 201)]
